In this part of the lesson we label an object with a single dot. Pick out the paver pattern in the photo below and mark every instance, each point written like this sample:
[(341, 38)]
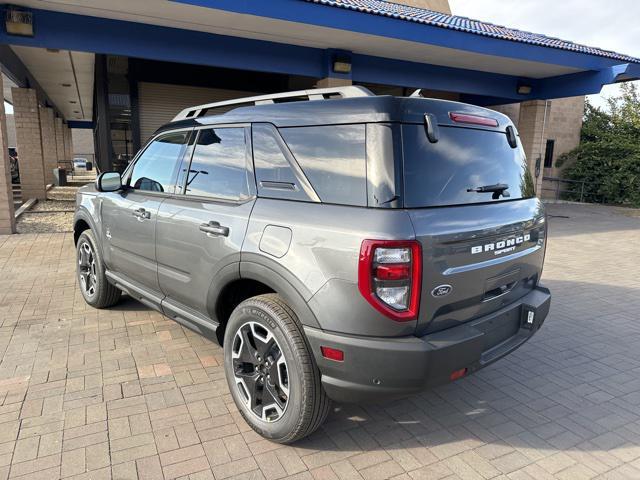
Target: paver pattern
[(126, 393)]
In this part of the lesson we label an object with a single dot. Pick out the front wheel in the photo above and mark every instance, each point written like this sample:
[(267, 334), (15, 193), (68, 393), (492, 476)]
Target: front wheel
[(95, 288), (271, 373)]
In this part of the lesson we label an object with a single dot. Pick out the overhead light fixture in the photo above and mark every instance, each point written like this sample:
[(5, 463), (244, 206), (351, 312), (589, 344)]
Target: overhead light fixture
[(53, 50), (76, 111), (342, 64), (65, 85), (524, 89), (18, 22), (72, 101)]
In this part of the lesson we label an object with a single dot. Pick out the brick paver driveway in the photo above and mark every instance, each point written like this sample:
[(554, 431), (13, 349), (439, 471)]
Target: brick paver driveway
[(125, 393)]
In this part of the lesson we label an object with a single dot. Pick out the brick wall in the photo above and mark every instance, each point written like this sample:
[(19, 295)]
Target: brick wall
[(29, 143), (7, 220), (531, 126), (83, 143), (68, 148), (49, 150), (565, 123), (59, 139)]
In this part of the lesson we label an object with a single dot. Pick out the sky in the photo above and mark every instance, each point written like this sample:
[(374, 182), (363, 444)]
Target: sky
[(610, 25)]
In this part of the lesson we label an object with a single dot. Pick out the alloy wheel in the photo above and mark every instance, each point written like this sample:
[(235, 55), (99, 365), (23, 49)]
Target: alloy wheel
[(87, 269), (260, 371)]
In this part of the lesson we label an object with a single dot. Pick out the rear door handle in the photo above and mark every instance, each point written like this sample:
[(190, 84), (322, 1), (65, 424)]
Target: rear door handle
[(142, 214), (214, 228)]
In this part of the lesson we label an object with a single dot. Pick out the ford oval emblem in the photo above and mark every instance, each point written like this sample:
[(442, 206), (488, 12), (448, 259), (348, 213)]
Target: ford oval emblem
[(441, 290)]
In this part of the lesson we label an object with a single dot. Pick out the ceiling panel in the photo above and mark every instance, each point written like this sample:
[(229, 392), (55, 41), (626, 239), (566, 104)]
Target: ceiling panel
[(66, 77)]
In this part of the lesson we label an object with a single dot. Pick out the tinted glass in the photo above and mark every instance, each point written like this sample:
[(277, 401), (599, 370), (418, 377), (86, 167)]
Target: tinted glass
[(155, 170), (463, 158), (334, 160), (274, 173), (219, 164)]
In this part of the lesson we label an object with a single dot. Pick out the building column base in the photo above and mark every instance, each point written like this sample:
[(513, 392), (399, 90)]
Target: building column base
[(333, 82)]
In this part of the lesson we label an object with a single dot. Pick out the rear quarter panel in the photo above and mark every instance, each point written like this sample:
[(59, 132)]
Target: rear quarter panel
[(322, 258)]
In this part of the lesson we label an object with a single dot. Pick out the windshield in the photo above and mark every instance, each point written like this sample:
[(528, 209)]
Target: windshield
[(464, 166)]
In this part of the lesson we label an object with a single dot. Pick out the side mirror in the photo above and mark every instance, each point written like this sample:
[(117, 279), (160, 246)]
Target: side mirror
[(109, 182)]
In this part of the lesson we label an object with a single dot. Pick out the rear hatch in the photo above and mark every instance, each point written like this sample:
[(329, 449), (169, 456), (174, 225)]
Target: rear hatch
[(471, 199)]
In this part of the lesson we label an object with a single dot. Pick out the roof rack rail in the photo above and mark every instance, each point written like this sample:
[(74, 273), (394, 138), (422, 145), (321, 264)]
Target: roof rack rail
[(304, 95)]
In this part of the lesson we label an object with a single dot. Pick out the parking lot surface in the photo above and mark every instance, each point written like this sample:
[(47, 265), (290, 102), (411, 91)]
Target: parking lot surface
[(126, 393)]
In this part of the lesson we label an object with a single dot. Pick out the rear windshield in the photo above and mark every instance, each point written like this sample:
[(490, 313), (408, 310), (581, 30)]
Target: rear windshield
[(441, 173)]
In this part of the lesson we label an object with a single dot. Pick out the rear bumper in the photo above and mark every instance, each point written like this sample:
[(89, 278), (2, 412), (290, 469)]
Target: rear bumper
[(376, 368)]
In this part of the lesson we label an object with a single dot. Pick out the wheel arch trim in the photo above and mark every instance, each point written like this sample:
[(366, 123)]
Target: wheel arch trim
[(282, 286)]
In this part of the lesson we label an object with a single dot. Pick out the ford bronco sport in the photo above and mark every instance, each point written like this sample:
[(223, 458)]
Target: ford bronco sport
[(339, 245)]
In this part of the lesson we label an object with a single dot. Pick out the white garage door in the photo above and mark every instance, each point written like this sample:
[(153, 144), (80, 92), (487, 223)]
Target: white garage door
[(160, 102)]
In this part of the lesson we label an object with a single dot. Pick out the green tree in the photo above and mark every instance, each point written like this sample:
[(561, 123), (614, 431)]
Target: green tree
[(608, 156)]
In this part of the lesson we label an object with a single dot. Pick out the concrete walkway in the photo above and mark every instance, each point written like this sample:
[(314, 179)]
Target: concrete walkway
[(126, 393)]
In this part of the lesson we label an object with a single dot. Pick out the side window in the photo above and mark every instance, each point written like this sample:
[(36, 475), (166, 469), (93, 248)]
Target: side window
[(219, 165), (155, 170), (274, 173), (334, 160)]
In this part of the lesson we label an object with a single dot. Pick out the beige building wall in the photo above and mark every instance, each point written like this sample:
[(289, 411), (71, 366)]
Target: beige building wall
[(82, 141), (436, 5), (565, 123), (11, 130)]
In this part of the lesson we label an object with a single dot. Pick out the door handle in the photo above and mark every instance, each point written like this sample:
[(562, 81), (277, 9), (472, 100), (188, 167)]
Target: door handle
[(142, 214), (214, 228)]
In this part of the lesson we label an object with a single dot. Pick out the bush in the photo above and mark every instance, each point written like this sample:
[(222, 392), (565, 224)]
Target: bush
[(608, 156)]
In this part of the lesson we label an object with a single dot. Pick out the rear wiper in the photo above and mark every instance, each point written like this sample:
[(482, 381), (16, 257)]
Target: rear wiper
[(497, 189)]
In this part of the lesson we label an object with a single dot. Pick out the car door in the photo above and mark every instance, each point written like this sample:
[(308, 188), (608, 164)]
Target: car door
[(199, 233), (129, 215)]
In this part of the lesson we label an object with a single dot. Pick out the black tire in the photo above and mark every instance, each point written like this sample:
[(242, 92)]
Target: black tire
[(100, 293), (306, 405)]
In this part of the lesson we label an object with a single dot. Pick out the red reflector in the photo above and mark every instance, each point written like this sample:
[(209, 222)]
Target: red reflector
[(458, 374), (473, 119), (332, 354), (393, 272)]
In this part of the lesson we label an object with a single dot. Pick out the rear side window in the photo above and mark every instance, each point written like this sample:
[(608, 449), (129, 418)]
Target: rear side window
[(219, 165), (334, 160), (156, 169), (274, 167), (463, 159)]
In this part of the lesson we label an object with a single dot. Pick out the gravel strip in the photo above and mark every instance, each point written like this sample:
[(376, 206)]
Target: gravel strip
[(50, 222), (62, 193), (49, 205), (54, 215)]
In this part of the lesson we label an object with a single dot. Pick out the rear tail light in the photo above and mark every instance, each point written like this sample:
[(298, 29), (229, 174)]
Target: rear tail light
[(389, 275)]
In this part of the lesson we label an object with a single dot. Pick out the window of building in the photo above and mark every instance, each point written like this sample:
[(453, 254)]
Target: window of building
[(334, 160), (156, 169), (219, 165), (548, 154)]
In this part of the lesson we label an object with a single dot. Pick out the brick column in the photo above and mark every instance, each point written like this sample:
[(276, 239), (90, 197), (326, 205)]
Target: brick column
[(533, 132), (29, 142), (7, 220), (67, 142), (59, 139), (49, 150), (330, 82)]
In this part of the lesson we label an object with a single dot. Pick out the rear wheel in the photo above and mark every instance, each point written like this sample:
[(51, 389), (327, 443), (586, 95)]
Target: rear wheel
[(95, 288), (271, 372)]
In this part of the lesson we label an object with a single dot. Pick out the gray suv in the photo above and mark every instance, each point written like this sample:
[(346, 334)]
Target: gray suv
[(339, 245)]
